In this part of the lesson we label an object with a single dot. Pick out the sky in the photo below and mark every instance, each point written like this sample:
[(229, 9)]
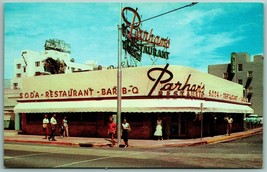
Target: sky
[(201, 35)]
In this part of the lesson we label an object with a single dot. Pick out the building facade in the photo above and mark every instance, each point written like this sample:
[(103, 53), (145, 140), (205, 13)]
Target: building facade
[(55, 59), (181, 96), (246, 72), (10, 101)]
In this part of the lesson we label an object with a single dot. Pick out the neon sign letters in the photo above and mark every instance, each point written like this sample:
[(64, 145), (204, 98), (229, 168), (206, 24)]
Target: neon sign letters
[(178, 88), (135, 38), (142, 35)]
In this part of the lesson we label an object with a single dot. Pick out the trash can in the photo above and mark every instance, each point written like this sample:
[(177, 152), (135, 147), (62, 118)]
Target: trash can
[(7, 121)]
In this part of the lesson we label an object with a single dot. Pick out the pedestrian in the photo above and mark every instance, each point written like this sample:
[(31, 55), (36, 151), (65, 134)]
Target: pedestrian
[(62, 129), (212, 122), (229, 121), (112, 130), (45, 126), (125, 130), (53, 123), (65, 127), (158, 132)]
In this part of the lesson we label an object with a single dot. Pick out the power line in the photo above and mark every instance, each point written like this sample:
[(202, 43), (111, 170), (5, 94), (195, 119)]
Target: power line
[(189, 5)]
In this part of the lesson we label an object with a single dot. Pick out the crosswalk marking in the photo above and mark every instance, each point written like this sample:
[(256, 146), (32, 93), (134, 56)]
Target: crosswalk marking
[(22, 156)]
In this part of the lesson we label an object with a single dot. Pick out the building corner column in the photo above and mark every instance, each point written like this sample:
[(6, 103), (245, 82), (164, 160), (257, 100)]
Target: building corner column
[(17, 122)]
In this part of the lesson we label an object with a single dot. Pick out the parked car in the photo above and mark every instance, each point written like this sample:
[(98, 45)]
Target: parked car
[(254, 119)]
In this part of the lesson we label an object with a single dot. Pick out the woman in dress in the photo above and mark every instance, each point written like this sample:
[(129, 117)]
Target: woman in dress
[(65, 127), (45, 126), (158, 132)]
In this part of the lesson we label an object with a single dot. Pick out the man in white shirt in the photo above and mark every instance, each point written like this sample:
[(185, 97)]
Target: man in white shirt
[(53, 123)]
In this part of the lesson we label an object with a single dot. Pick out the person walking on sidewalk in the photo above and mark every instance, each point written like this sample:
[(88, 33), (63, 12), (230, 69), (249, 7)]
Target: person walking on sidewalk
[(53, 123), (125, 130), (158, 132), (229, 121), (66, 127), (45, 126), (112, 130), (62, 129)]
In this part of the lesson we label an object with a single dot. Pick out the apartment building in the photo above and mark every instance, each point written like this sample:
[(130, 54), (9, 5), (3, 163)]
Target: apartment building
[(247, 72), (55, 59)]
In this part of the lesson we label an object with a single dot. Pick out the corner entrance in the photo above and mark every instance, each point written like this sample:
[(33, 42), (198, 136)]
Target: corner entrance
[(178, 125)]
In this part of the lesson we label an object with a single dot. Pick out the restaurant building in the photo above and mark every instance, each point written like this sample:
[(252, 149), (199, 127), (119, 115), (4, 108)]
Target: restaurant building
[(181, 96)]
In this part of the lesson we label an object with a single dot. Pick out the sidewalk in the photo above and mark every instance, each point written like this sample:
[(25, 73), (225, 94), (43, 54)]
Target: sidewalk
[(13, 136)]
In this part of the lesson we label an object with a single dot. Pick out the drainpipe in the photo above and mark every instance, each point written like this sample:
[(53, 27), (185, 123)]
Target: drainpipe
[(201, 108)]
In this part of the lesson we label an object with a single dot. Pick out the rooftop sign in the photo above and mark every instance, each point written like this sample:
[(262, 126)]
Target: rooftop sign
[(138, 41), (58, 45)]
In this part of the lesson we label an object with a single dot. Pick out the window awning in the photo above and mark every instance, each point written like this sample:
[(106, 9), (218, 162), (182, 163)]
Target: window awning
[(132, 105)]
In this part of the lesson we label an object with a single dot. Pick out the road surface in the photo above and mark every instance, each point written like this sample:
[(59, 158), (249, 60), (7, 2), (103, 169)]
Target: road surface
[(241, 153)]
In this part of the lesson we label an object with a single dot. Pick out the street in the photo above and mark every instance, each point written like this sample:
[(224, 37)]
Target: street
[(240, 153)]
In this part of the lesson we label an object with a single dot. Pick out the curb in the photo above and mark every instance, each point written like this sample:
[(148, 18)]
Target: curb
[(42, 142), (225, 138), (57, 143), (185, 144), (217, 140), (230, 138)]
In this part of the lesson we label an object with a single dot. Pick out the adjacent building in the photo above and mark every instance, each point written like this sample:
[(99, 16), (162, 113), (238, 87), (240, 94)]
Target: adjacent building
[(55, 59), (246, 72), (10, 101)]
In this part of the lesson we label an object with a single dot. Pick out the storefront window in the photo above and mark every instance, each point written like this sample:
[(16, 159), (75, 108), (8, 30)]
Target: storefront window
[(73, 117), (81, 117), (133, 118), (92, 117), (33, 118)]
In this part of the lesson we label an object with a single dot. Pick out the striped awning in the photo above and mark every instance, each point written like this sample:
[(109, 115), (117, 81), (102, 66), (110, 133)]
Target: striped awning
[(132, 105)]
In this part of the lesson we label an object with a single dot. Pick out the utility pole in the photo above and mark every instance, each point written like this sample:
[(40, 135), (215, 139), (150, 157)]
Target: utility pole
[(119, 82)]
